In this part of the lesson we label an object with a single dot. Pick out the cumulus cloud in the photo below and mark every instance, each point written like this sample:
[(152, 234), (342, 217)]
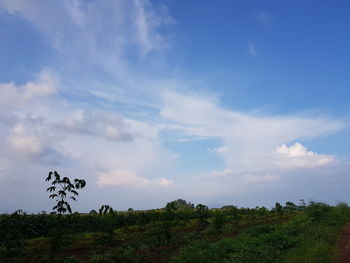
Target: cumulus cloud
[(297, 155)]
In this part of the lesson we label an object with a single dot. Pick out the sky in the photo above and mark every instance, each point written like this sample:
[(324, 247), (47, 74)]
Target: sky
[(232, 102)]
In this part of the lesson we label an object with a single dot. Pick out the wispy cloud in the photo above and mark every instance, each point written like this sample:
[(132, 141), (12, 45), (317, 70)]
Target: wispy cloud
[(251, 49), (264, 17)]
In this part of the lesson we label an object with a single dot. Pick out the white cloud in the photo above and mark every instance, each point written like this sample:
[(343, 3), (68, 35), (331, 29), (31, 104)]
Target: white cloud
[(95, 123), (127, 177), (44, 85), (221, 149), (295, 150), (261, 178), (54, 131), (225, 172), (297, 155), (24, 142), (123, 23), (249, 141)]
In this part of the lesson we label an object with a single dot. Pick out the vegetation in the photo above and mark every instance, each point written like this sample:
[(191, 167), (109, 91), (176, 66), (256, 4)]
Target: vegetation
[(179, 232), (230, 234)]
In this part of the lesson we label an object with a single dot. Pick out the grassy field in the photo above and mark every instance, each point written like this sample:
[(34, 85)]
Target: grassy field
[(177, 233)]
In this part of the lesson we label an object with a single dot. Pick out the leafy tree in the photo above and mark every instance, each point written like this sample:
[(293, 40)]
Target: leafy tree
[(62, 190), (179, 204)]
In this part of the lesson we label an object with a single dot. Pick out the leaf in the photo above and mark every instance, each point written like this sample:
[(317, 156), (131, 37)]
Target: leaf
[(57, 176), (73, 198), (79, 183), (53, 196), (62, 193), (66, 180), (49, 177), (74, 192), (51, 189)]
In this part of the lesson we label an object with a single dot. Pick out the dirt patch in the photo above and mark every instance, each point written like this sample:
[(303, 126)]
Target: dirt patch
[(344, 245)]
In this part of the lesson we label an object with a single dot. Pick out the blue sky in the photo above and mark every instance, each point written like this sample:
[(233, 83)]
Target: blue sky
[(232, 102)]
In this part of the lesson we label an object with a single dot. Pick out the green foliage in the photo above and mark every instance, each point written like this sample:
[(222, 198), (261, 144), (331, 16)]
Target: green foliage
[(71, 260), (179, 204), (63, 189), (244, 235), (219, 221), (308, 237)]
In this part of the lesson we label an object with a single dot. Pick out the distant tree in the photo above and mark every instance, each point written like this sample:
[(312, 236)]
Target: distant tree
[(278, 208), (290, 206), (62, 190), (104, 209), (201, 208), (179, 204)]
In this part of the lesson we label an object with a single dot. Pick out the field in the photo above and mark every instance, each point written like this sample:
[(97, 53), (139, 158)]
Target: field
[(177, 233)]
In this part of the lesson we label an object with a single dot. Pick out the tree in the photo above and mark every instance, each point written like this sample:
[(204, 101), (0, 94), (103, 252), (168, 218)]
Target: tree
[(278, 208), (62, 190), (105, 209), (179, 204)]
